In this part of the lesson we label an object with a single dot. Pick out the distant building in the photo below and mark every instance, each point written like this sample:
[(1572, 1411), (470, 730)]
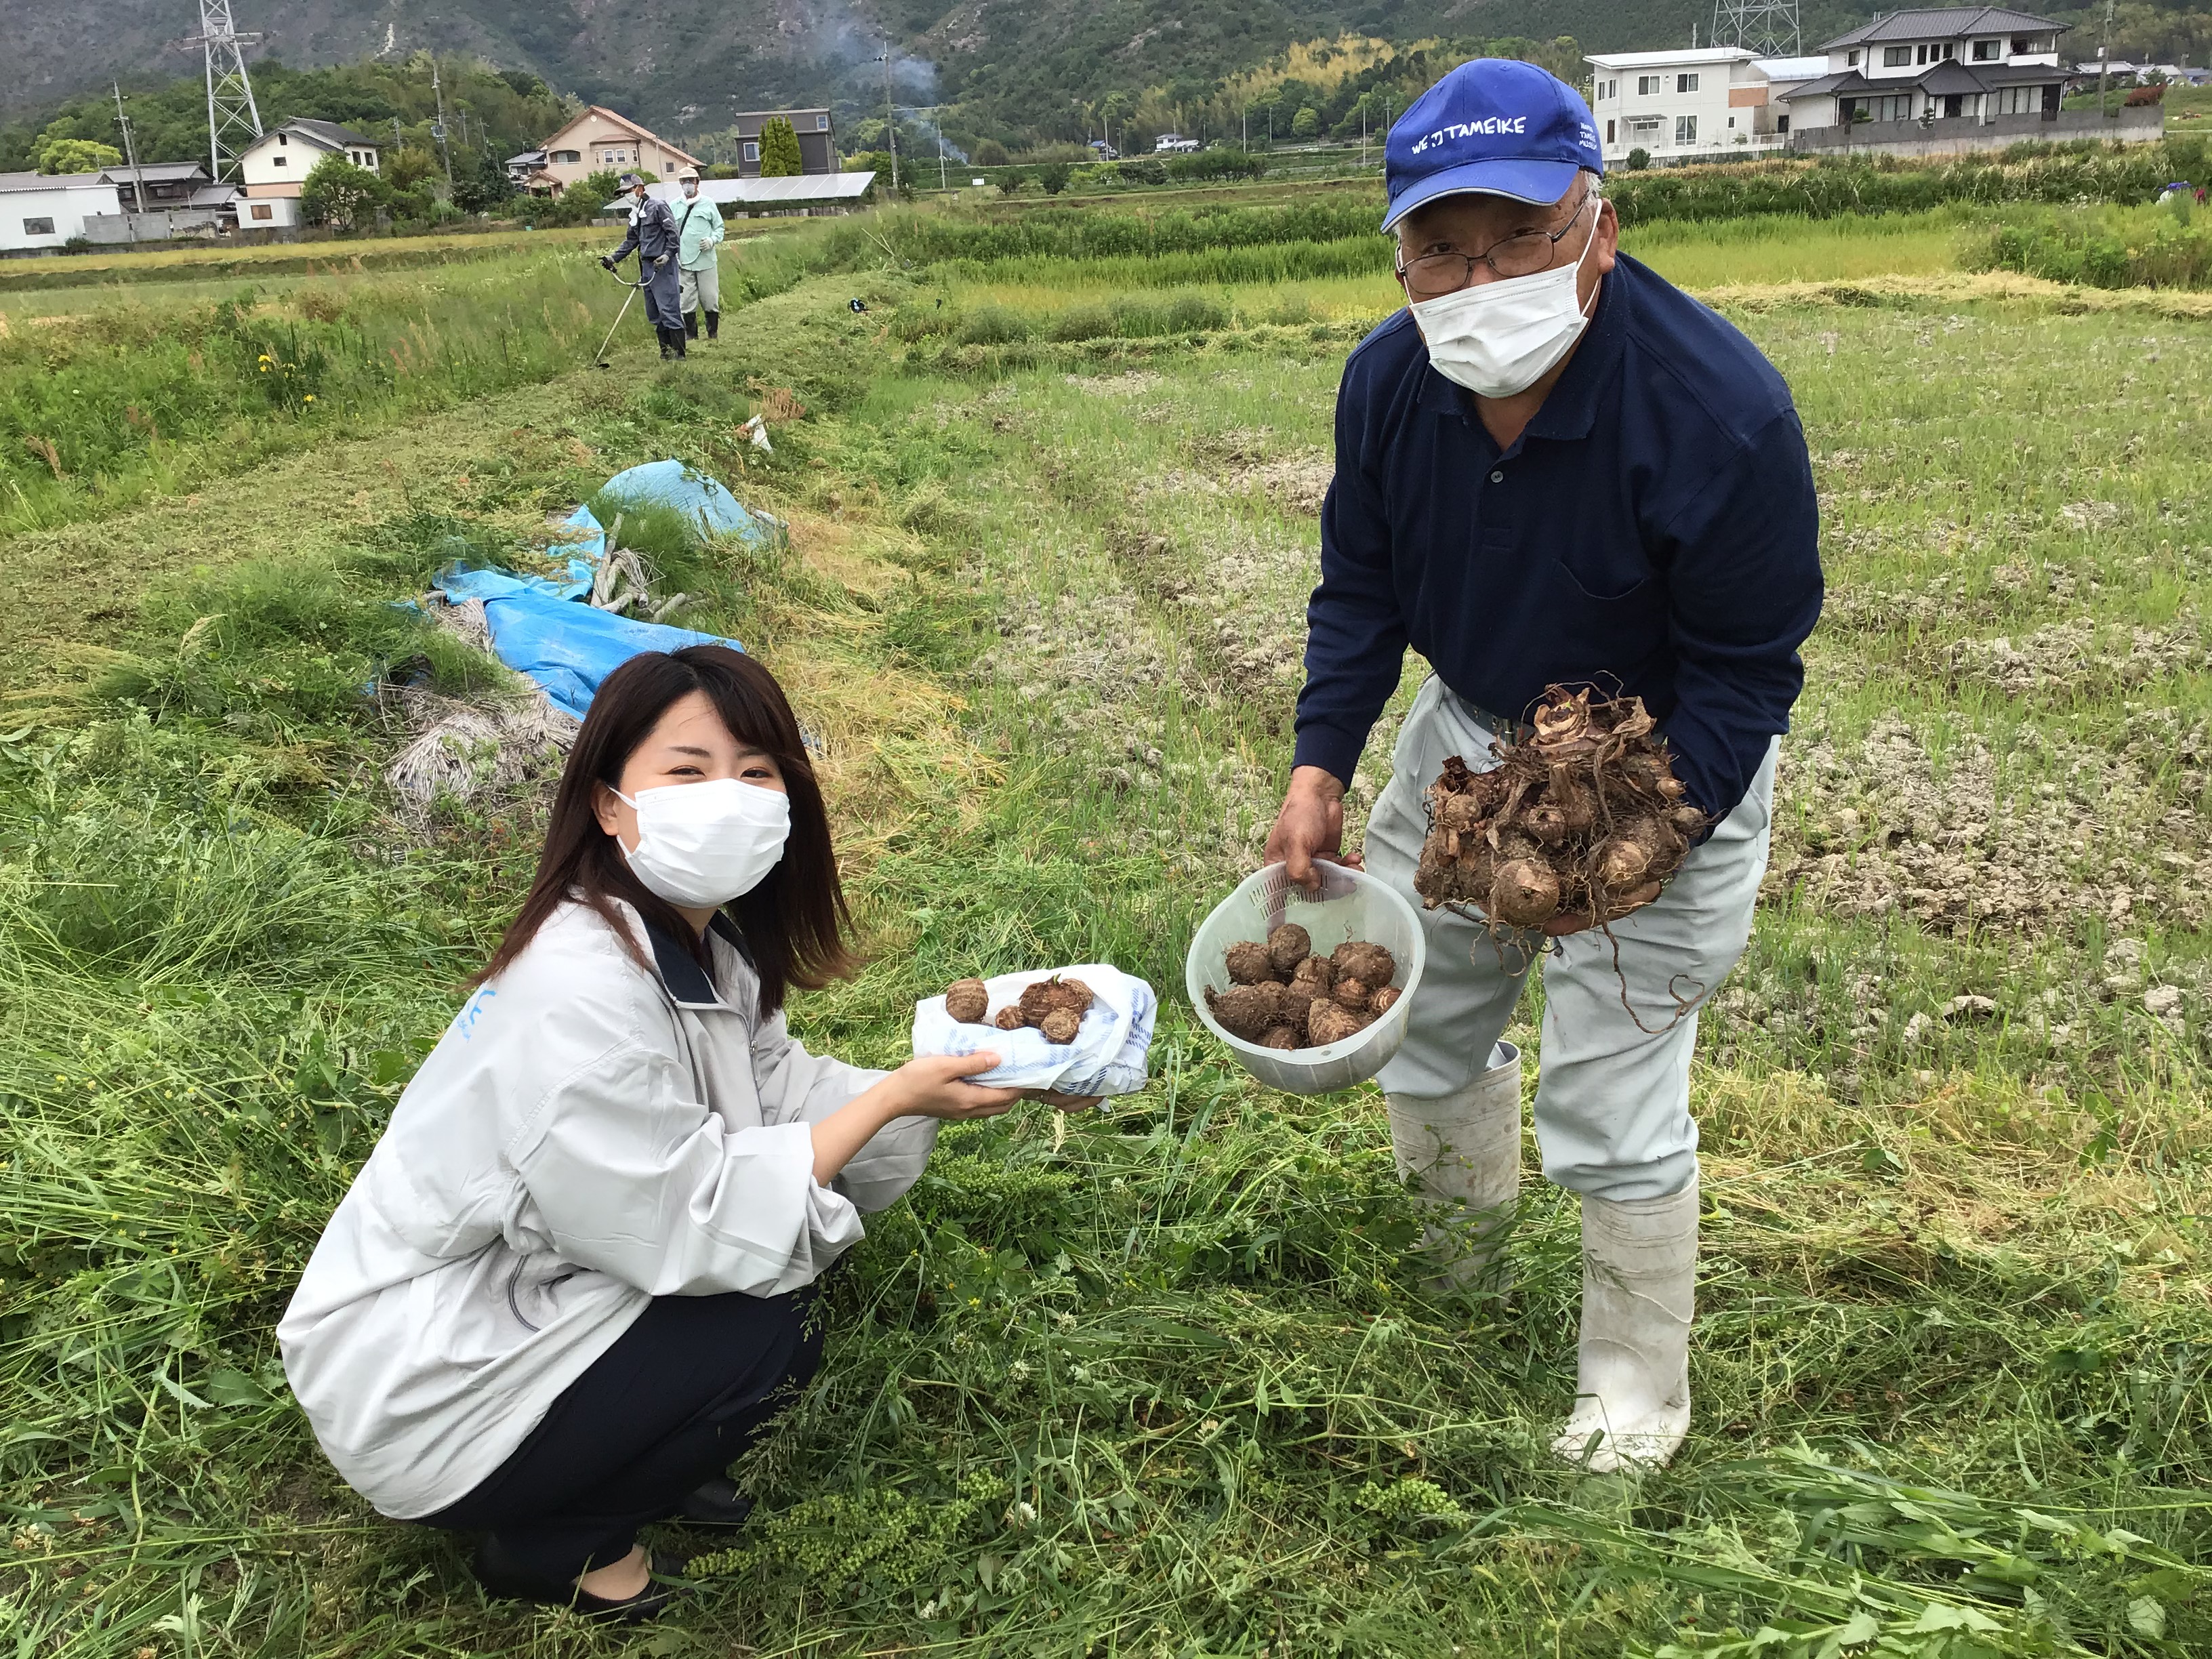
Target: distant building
[(1929, 82), (1940, 81), (181, 200), (1173, 144), (43, 212), (274, 166), (817, 144), (599, 140), (1693, 104)]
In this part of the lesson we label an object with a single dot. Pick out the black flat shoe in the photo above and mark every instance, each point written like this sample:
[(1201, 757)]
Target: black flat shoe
[(717, 1504), (503, 1579)]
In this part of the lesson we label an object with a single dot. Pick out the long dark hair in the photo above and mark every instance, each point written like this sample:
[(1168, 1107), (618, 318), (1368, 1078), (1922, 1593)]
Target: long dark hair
[(794, 924)]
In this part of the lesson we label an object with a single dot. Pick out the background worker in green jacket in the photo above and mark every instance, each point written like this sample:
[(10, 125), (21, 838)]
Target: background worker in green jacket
[(699, 230)]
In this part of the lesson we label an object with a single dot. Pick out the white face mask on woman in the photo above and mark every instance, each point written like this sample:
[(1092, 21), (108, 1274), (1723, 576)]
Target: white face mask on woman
[(701, 844), (1499, 338)]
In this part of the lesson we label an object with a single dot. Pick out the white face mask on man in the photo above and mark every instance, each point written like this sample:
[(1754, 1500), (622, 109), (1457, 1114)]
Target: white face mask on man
[(704, 844), (1500, 338)]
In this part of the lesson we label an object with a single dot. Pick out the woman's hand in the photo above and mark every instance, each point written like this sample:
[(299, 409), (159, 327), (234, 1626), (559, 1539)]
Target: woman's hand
[(934, 1087), (930, 1087)]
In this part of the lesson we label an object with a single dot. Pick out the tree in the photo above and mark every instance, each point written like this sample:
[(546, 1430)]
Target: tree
[(1053, 176), (1306, 126), (1011, 182), (779, 154), (990, 153), (341, 195), (76, 156), (482, 184), (1638, 158)]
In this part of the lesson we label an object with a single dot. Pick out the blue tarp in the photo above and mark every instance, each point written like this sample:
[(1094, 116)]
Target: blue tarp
[(538, 629)]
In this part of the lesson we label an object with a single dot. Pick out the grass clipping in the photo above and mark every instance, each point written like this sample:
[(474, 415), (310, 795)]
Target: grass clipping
[(1584, 816)]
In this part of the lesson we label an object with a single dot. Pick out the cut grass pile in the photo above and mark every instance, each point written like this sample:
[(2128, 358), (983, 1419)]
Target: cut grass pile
[(1166, 1380)]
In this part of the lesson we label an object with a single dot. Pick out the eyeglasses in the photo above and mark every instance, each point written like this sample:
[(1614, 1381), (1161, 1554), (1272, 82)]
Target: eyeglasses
[(1435, 275)]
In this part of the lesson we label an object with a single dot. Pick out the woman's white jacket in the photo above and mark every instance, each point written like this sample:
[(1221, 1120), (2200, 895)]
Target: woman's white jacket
[(589, 1133)]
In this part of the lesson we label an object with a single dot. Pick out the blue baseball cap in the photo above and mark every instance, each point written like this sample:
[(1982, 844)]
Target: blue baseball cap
[(1494, 126)]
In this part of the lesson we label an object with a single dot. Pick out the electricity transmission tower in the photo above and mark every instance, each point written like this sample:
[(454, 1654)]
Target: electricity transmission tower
[(1767, 28), (233, 121)]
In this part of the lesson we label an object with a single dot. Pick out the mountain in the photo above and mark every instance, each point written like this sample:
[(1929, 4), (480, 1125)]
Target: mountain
[(1019, 71)]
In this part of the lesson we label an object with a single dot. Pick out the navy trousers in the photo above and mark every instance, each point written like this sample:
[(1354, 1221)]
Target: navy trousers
[(681, 1393), (661, 308)]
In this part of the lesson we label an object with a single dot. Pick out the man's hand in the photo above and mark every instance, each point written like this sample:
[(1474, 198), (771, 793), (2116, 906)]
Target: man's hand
[(659, 261), (1310, 826), (606, 262)]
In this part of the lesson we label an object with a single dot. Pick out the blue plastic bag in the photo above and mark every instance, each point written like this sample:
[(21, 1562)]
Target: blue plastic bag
[(567, 649), (698, 497), (537, 628)]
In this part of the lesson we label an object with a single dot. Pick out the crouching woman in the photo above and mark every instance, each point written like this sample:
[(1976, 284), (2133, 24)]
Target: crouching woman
[(572, 1283)]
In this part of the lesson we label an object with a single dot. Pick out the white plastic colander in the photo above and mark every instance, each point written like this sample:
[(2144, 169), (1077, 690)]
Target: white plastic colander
[(1351, 904)]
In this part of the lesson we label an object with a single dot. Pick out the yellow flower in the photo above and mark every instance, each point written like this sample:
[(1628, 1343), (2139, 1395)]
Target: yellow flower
[(310, 397), (264, 365)]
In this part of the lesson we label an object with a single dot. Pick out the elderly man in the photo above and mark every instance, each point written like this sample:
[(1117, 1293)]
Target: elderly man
[(652, 234), (699, 239), (1554, 467)]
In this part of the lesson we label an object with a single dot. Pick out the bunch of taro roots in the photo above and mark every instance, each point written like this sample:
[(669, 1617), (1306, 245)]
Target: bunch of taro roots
[(1056, 1007), (1283, 996), (1584, 816)]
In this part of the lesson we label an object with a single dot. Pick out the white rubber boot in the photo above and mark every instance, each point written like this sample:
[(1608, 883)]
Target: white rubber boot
[(1639, 1272), (1462, 1152)]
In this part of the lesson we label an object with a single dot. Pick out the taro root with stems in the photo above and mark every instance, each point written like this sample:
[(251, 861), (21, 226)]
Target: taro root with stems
[(1583, 818)]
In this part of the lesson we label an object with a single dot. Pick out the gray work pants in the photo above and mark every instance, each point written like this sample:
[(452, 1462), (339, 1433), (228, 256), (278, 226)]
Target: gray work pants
[(703, 289), (1613, 1105)]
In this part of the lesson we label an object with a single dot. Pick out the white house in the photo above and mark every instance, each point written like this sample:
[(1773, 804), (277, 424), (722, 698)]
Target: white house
[(43, 212), (1693, 103), (1976, 64), (275, 165)]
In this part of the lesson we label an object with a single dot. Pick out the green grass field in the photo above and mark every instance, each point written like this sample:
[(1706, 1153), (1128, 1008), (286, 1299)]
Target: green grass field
[(1163, 1381)]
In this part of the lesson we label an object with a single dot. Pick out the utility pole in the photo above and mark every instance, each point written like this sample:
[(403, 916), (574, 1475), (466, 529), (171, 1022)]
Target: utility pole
[(933, 114), (2104, 60), (233, 119), (438, 131), (130, 154), (890, 112)]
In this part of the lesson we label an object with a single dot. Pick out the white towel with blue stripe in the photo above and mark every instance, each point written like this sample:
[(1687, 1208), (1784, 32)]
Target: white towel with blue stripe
[(1107, 1056)]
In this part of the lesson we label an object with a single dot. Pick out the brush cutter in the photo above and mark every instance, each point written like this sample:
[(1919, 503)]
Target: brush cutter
[(600, 360)]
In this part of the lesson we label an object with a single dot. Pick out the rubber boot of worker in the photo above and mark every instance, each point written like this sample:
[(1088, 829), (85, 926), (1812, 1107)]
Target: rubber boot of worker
[(667, 351), (1462, 1154), (690, 325), (714, 324), (1632, 1366)]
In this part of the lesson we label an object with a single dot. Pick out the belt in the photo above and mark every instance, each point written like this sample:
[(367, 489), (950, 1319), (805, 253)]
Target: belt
[(1499, 725)]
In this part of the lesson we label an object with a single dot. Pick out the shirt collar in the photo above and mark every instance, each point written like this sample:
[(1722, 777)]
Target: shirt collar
[(1571, 410), (688, 983)]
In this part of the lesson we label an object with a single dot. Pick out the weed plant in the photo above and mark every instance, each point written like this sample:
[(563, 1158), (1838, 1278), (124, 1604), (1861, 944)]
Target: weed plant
[(2167, 246)]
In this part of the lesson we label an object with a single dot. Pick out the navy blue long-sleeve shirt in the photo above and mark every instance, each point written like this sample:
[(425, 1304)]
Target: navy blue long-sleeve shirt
[(1655, 525)]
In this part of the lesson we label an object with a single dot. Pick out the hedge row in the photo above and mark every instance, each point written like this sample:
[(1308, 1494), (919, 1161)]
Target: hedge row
[(1831, 188)]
